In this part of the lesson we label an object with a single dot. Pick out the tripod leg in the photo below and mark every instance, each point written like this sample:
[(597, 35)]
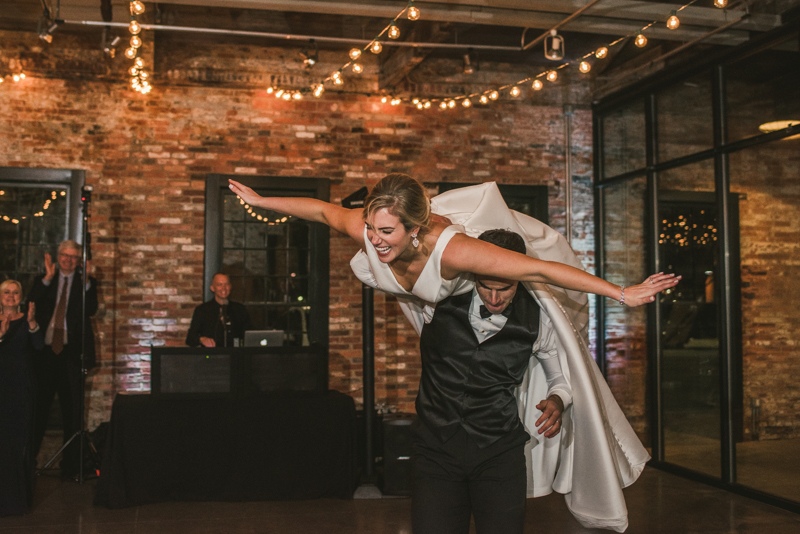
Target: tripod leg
[(59, 451)]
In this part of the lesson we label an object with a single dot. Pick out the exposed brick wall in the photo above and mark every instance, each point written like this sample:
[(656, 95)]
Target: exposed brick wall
[(147, 158)]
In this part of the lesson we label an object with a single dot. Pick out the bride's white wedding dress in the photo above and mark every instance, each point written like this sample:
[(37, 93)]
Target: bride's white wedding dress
[(597, 453)]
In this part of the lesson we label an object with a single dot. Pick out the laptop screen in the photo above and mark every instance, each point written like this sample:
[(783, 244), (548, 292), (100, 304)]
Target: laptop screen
[(263, 338)]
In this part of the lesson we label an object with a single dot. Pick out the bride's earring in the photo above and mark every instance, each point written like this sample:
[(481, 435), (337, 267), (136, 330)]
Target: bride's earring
[(414, 240)]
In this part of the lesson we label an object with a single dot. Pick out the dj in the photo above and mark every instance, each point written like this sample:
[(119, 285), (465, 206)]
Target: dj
[(218, 322)]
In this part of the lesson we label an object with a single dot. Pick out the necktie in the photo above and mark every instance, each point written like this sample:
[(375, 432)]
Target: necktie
[(58, 323), (486, 313)]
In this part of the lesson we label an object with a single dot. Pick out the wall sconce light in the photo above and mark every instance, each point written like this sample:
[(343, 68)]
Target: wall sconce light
[(554, 46), (310, 58)]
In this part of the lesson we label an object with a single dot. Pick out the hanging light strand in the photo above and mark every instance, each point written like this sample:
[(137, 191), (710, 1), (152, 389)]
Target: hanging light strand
[(139, 75)]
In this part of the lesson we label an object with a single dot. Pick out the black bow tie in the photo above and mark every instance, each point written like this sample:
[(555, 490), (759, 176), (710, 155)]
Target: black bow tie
[(486, 313)]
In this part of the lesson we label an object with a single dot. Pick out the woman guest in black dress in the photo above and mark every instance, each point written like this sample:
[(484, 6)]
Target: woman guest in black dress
[(19, 335)]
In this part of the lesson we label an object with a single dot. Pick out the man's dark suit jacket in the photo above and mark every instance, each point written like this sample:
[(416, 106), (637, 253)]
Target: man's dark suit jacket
[(45, 298), (206, 323)]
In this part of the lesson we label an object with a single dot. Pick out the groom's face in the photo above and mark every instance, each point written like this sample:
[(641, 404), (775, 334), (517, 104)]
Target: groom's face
[(496, 293)]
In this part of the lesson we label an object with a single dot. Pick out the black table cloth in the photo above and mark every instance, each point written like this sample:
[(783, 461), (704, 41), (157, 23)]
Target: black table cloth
[(281, 446)]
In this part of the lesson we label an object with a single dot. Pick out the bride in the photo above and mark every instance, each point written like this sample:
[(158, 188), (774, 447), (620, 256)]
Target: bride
[(423, 251)]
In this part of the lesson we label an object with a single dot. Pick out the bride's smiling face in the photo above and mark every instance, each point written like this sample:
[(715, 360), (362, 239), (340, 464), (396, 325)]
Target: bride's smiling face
[(387, 233)]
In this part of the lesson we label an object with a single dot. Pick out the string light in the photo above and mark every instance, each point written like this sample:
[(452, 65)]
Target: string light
[(720, 3), (355, 53), (412, 11), (137, 7), (552, 76), (18, 77), (376, 47), (136, 42), (494, 95), (585, 67), (484, 99), (601, 52), (357, 68), (451, 104), (537, 84), (134, 27), (515, 91), (673, 22), (466, 103), (394, 31), (318, 90), (640, 41)]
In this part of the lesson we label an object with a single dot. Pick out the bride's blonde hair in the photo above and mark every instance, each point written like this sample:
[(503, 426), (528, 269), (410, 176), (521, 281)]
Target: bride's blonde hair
[(404, 197)]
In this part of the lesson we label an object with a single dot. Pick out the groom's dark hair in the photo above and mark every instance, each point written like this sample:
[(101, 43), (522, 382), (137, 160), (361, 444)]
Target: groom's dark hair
[(504, 239)]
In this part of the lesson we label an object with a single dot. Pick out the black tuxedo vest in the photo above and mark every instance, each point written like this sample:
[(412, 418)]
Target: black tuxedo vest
[(469, 384)]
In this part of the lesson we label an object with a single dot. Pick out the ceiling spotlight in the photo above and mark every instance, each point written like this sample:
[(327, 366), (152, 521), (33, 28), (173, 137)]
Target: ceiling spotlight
[(413, 12), (601, 52), (469, 64), (554, 46), (394, 31), (640, 41), (537, 84), (375, 47)]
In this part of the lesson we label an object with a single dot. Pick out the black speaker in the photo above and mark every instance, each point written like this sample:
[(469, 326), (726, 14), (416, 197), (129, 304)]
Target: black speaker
[(397, 440), (190, 371)]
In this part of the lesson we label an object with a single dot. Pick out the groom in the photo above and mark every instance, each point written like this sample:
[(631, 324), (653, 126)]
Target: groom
[(468, 440)]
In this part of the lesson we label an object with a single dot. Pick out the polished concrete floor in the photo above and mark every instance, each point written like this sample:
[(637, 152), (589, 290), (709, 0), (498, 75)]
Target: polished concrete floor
[(658, 503)]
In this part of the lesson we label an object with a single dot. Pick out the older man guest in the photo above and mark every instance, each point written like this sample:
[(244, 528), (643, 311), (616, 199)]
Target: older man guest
[(58, 295), (218, 322)]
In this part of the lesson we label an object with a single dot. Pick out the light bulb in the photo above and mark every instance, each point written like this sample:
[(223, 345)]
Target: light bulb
[(673, 22), (139, 62), (384, 99), (466, 103), (357, 68), (298, 96), (419, 105), (17, 77), (279, 93), (136, 41), (451, 104), (552, 76), (336, 75), (137, 7), (130, 53), (319, 90), (413, 13), (585, 67), (143, 75), (443, 104), (427, 104), (415, 101), (287, 96), (641, 41), (394, 31), (494, 95), (537, 84), (133, 71), (601, 52), (134, 27), (270, 90), (396, 101), (376, 47), (484, 99), (720, 3), (515, 91), (355, 53), (338, 81)]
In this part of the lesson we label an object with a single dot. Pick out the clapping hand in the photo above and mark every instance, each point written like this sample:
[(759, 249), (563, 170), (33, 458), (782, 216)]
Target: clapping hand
[(4, 323), (49, 267), (31, 315)]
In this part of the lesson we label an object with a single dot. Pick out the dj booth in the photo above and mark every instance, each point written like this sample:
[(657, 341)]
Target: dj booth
[(263, 435)]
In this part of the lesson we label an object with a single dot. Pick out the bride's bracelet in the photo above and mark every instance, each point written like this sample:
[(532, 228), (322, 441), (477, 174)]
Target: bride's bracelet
[(622, 294)]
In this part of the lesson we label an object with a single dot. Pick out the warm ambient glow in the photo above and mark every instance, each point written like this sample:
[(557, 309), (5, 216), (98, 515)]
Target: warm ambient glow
[(774, 126)]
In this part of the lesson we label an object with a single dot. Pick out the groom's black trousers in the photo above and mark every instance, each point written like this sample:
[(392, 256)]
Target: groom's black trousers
[(454, 479)]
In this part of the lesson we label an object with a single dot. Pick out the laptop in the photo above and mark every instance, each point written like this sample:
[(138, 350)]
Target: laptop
[(263, 338)]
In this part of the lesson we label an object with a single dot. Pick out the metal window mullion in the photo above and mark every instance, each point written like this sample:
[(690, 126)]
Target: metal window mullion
[(599, 242)]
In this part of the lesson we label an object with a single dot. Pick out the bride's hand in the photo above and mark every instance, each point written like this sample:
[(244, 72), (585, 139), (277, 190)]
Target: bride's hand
[(244, 192), (645, 292)]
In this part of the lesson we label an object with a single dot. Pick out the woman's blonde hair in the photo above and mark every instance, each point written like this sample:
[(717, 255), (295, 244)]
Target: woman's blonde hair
[(404, 197), (6, 283)]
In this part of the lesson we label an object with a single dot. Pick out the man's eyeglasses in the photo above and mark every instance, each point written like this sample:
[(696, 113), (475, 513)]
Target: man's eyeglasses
[(70, 256)]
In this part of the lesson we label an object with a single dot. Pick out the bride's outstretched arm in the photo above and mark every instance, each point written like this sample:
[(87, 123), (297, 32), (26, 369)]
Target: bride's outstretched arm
[(344, 220), (466, 254)]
